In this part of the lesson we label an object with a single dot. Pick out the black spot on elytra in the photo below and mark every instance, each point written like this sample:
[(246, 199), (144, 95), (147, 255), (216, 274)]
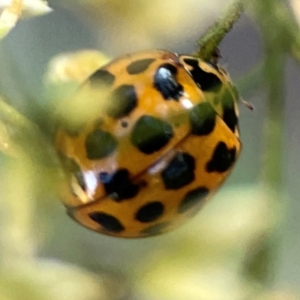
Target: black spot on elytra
[(122, 102), (100, 144), (151, 134), (230, 118), (150, 212), (73, 168), (179, 172), (206, 81), (108, 222), (192, 198), (155, 229), (202, 118), (124, 124), (102, 77), (223, 158), (166, 83), (229, 113), (139, 66), (118, 185)]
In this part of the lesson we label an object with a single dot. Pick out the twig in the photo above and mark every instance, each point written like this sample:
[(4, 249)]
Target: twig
[(214, 35), (260, 264)]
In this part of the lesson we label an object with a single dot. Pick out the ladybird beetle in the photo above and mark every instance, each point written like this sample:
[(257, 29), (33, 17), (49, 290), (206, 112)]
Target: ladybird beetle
[(160, 136)]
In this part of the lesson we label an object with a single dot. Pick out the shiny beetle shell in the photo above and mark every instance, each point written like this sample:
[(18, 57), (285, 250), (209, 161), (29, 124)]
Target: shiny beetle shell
[(158, 135)]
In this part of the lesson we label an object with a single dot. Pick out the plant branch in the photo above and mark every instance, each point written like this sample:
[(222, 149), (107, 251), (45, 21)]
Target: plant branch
[(214, 35)]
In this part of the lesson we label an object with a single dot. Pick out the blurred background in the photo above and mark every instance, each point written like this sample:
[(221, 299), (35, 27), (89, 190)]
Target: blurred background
[(45, 255)]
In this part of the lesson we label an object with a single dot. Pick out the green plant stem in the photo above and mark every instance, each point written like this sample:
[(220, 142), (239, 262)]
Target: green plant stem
[(261, 263), (274, 129), (214, 35)]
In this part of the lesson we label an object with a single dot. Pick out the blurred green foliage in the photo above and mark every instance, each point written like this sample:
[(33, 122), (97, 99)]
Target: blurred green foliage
[(229, 251)]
